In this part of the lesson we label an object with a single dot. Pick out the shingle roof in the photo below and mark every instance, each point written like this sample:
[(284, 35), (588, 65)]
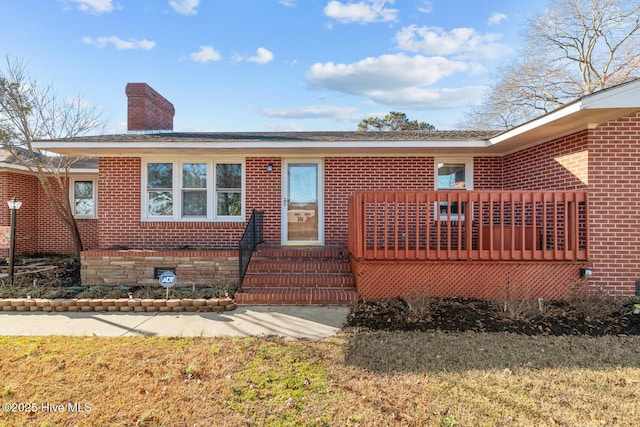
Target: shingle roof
[(6, 156), (290, 136)]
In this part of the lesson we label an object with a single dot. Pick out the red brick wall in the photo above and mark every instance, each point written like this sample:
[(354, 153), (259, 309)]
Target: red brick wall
[(119, 187), (53, 235), (264, 190), (487, 173), (555, 165), (614, 203), (26, 188), (606, 161), (38, 228), (344, 175)]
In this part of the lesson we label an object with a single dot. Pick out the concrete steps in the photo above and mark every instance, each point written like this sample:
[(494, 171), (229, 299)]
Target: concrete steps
[(299, 276)]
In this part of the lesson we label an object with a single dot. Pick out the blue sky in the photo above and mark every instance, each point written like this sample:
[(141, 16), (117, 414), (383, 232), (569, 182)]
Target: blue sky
[(269, 65)]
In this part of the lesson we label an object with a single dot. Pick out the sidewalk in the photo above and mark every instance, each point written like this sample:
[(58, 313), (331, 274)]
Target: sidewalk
[(293, 322)]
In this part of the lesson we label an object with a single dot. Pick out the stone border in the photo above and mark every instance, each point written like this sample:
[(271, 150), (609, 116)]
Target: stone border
[(22, 305)]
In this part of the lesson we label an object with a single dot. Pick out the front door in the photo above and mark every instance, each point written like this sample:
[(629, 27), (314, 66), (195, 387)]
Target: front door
[(302, 210)]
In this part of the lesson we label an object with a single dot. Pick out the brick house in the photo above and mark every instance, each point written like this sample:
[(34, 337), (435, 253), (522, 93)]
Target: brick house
[(38, 229), (448, 213)]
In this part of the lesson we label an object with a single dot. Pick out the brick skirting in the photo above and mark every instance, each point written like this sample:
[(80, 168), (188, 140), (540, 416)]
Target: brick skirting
[(117, 305), (136, 267)]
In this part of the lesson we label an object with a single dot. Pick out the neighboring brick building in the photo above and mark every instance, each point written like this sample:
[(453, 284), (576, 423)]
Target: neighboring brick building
[(163, 190)]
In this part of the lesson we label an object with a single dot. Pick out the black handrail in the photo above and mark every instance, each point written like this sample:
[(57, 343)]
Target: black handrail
[(251, 237)]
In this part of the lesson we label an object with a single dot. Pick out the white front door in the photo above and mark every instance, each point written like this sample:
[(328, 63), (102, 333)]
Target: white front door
[(302, 207)]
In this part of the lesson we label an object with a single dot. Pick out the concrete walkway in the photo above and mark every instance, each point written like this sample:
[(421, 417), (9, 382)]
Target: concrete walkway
[(292, 322)]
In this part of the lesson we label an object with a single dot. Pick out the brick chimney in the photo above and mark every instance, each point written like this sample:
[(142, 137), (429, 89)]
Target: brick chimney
[(148, 111)]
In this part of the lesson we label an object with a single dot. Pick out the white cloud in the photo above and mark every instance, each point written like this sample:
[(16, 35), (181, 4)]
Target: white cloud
[(120, 44), (284, 127), (426, 6), (185, 7), (497, 18), (461, 42), (205, 54), (387, 72), (263, 56), (363, 12), (397, 80), (430, 98), (311, 112), (288, 3), (94, 6)]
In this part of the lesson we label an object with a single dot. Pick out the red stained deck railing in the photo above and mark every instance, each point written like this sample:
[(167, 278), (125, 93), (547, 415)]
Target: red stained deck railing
[(469, 225)]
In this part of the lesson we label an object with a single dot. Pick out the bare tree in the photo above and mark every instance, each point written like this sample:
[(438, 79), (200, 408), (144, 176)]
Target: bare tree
[(576, 47), (29, 112)]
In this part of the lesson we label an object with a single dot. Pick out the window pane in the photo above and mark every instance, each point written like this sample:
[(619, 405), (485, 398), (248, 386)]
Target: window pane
[(455, 209), (161, 203), (451, 175), (194, 175), (83, 189), (229, 204), (194, 203), (229, 176), (160, 175), (84, 207)]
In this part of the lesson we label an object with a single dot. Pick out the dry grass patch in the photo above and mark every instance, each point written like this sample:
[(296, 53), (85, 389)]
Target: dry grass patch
[(357, 378)]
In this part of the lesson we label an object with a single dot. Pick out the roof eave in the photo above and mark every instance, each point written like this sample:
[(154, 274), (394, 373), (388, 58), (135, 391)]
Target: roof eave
[(587, 112), (136, 148)]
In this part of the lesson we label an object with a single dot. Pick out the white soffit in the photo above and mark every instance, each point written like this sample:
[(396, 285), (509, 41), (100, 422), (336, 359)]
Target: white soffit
[(255, 148), (585, 113)]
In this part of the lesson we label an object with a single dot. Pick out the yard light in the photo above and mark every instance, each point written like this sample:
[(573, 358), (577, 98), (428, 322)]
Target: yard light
[(270, 167), (14, 205)]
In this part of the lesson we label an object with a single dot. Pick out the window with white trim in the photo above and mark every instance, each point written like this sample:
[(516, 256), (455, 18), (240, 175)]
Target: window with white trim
[(193, 191), (453, 174), (83, 198)]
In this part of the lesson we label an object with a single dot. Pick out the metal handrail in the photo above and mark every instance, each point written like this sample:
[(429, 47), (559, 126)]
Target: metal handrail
[(251, 237)]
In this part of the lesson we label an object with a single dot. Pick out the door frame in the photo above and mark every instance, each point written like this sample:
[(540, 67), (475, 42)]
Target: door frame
[(284, 194)]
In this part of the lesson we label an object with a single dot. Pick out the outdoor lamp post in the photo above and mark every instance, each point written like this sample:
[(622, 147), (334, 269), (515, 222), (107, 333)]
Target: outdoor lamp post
[(14, 205)]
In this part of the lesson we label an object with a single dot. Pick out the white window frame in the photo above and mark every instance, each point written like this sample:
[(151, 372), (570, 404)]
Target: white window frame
[(468, 182), (177, 216), (72, 195)]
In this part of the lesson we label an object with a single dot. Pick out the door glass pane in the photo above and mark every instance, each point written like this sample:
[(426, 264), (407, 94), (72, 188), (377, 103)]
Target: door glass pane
[(302, 202)]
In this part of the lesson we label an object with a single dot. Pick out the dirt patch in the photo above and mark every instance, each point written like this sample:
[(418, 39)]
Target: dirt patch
[(44, 270), (590, 316)]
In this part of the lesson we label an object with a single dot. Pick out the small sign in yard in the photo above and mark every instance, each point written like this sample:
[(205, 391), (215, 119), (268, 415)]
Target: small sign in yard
[(167, 280)]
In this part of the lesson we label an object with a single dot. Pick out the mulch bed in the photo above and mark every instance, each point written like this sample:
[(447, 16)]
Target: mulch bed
[(590, 316)]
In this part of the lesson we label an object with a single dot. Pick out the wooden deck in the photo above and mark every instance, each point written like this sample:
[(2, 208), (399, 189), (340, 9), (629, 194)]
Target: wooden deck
[(469, 225)]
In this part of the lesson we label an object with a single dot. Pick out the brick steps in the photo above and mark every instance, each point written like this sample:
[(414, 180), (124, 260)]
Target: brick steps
[(328, 266), (299, 276), (289, 296), (299, 280)]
